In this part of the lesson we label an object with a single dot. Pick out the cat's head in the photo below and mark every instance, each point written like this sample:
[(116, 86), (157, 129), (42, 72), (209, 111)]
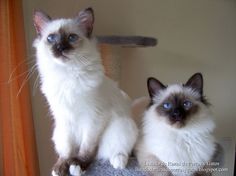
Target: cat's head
[(64, 39), (178, 104)]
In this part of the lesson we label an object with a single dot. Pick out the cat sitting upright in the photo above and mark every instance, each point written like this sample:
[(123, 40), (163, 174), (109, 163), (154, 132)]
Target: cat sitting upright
[(91, 114), (176, 136)]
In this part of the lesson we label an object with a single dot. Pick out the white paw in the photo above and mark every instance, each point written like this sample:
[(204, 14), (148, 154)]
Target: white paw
[(119, 161), (54, 173), (75, 170)]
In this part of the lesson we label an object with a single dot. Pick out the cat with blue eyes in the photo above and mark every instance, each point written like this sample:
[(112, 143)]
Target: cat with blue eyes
[(176, 130), (91, 114)]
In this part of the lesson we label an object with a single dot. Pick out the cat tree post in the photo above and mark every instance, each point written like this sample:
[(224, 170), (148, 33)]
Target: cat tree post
[(110, 55), (111, 61)]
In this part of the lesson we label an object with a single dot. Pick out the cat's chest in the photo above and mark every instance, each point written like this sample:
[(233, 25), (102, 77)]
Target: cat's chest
[(61, 89), (171, 146), (183, 151), (68, 95)]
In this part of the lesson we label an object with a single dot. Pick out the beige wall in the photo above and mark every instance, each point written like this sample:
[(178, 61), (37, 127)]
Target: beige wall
[(193, 36)]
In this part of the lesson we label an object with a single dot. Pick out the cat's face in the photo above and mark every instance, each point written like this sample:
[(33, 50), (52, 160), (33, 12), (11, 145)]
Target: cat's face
[(177, 104), (64, 39)]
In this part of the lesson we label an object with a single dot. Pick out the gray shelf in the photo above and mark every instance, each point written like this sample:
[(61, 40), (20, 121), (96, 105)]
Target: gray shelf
[(128, 41)]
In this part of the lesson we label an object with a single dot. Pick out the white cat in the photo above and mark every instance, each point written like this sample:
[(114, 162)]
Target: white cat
[(92, 115), (176, 136)]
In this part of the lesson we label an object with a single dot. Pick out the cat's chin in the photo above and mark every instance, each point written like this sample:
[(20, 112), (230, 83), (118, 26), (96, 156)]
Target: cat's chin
[(62, 60), (177, 125)]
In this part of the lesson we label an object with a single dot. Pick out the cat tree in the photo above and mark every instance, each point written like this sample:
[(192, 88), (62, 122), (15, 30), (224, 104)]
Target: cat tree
[(110, 57)]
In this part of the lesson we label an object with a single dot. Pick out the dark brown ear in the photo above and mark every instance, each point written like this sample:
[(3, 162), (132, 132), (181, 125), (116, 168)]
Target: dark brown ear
[(196, 82), (40, 20), (86, 20), (154, 86)]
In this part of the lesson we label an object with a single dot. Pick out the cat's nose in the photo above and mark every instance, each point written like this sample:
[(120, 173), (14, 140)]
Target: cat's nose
[(60, 47), (176, 112), (177, 115)]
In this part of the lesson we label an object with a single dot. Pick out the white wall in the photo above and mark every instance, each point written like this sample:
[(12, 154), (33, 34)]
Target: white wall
[(193, 36)]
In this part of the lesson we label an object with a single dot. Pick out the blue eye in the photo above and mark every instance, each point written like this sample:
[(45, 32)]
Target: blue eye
[(52, 38), (187, 104), (167, 106), (73, 38)]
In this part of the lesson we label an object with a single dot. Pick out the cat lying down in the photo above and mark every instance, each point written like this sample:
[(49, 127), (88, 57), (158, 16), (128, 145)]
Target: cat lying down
[(176, 129)]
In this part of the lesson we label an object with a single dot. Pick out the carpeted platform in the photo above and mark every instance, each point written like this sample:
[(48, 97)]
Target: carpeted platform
[(225, 158), (103, 168)]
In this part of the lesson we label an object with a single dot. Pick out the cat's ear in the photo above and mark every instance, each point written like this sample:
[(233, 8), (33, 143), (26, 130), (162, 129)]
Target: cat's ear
[(86, 20), (40, 20), (154, 86), (196, 83)]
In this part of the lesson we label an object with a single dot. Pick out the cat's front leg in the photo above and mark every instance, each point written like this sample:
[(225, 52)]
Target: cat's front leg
[(63, 141), (118, 141), (67, 167), (90, 137), (65, 146), (87, 152), (119, 160)]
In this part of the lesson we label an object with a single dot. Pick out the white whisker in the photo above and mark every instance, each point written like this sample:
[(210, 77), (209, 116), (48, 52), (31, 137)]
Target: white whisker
[(36, 83), (32, 70), (15, 69)]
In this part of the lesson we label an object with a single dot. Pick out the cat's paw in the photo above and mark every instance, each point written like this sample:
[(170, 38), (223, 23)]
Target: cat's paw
[(61, 168), (65, 167), (75, 170), (54, 173), (119, 161)]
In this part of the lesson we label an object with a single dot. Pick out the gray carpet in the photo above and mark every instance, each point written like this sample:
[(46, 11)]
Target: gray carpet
[(103, 168)]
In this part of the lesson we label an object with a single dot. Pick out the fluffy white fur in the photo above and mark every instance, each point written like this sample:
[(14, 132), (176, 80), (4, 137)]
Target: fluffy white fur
[(74, 170), (183, 150), (87, 107)]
